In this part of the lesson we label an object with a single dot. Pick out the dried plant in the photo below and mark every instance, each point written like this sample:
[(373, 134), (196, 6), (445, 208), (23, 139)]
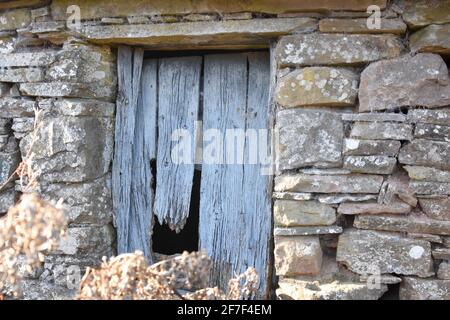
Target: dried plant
[(31, 228), (27, 177), (128, 276)]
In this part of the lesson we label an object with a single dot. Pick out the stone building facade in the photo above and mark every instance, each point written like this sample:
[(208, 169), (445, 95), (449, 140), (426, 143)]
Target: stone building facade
[(362, 184)]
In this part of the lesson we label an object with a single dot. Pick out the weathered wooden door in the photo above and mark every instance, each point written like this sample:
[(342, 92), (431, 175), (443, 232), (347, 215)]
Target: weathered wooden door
[(180, 100)]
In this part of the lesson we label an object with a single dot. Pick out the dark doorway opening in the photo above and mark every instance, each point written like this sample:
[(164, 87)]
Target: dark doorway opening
[(166, 241)]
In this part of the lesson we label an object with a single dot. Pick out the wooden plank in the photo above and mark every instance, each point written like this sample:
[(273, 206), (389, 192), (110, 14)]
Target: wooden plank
[(178, 103), (129, 75), (144, 151), (235, 205)]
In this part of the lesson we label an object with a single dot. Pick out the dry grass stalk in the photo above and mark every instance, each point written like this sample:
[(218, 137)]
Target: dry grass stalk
[(128, 276), (31, 228)]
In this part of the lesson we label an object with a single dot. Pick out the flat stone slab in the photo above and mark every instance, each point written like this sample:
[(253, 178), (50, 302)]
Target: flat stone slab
[(421, 152), (374, 208), (430, 188), (438, 209), (68, 89), (22, 75), (307, 231), (309, 138), (359, 25), (432, 132), (290, 213), (359, 147), (370, 164), (27, 59), (336, 199), (408, 81), (201, 34), (410, 224), (441, 253), (375, 117), (440, 116), (372, 252), (16, 108), (427, 174), (337, 290), (317, 86), (434, 38), (329, 184), (424, 289), (420, 13), (90, 10), (292, 196), (382, 131), (335, 49)]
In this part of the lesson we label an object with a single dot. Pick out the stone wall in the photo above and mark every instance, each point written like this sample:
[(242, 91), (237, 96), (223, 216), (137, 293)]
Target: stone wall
[(361, 197), (68, 144), (362, 193)]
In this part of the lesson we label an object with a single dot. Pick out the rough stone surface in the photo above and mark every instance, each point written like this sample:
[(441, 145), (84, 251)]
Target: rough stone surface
[(21, 75), (371, 252), (438, 209), (16, 108), (84, 203), (427, 174), (415, 223), (430, 188), (421, 13), (72, 149), (424, 289), (432, 132), (307, 231), (27, 59), (336, 199), (9, 161), (359, 25), (436, 116), (420, 80), (7, 45), (81, 240), (370, 164), (84, 64), (297, 255), (382, 131), (68, 89), (291, 289), (329, 184), (421, 152), (357, 147), (7, 199), (124, 8), (434, 38), (301, 196), (315, 86), (373, 208), (15, 19), (309, 138), (444, 271), (79, 107), (291, 213), (334, 49)]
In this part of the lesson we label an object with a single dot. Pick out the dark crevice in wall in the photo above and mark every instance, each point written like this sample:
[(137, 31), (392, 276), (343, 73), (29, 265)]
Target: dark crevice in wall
[(392, 293)]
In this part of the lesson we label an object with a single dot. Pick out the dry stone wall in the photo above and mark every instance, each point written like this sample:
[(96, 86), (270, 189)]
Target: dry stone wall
[(362, 189)]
